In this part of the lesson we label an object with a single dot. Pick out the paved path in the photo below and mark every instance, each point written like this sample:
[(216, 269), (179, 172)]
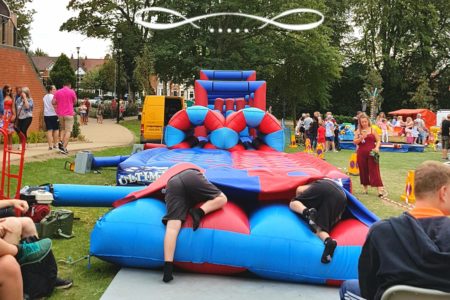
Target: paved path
[(147, 284), (108, 134)]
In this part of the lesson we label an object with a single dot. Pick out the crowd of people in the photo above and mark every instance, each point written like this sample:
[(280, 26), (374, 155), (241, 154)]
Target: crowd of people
[(320, 204), (16, 109), (415, 130), (16, 112), (318, 130)]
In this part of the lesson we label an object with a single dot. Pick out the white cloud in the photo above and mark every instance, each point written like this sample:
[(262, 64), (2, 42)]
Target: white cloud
[(45, 34)]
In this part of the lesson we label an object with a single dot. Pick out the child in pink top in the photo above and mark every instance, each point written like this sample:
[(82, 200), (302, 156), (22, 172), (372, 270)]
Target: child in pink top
[(384, 126)]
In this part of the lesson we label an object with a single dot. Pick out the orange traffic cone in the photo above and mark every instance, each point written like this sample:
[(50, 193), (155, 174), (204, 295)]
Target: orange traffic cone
[(353, 165), (409, 196)]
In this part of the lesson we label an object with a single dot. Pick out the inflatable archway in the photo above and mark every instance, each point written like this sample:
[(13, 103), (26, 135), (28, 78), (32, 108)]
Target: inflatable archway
[(224, 133)]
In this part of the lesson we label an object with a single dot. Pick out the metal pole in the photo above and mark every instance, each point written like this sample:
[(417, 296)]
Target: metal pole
[(118, 86), (118, 38), (78, 72)]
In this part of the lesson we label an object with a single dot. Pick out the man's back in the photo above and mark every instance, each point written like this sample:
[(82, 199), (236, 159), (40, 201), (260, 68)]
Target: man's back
[(406, 250), (65, 99), (445, 127)]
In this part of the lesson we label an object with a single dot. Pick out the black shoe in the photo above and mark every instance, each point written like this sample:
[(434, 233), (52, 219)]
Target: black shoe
[(63, 283), (197, 214), (168, 270), (330, 246), (60, 145), (63, 151)]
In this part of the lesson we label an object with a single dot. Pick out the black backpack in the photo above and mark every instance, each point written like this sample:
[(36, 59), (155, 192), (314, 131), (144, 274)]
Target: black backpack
[(39, 278)]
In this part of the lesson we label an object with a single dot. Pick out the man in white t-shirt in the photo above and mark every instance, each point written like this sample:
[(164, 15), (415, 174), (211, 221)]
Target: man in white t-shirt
[(51, 119), (422, 128)]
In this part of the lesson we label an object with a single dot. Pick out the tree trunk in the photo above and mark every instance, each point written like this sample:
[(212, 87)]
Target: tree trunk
[(164, 88)]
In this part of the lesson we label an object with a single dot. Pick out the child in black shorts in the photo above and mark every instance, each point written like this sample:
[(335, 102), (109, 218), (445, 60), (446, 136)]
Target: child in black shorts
[(183, 192), (321, 205)]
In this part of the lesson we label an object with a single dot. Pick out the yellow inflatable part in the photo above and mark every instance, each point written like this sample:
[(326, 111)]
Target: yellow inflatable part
[(308, 148), (320, 151), (408, 195), (353, 168), (377, 129)]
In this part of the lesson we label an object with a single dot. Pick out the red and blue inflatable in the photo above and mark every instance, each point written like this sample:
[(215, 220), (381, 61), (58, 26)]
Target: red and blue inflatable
[(256, 231)]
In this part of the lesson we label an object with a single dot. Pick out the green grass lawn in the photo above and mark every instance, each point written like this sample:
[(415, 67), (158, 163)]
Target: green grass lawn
[(90, 283)]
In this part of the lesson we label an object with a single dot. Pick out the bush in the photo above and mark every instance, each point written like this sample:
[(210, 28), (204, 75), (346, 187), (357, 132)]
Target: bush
[(33, 137), (343, 119), (131, 110), (76, 127)]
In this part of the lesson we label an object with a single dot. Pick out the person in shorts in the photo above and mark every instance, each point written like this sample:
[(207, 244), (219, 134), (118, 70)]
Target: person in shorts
[(183, 192), (445, 134), (321, 204), (65, 99), (50, 118)]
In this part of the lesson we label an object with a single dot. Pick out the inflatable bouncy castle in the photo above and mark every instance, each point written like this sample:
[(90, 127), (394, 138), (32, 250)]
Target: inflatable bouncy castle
[(239, 147)]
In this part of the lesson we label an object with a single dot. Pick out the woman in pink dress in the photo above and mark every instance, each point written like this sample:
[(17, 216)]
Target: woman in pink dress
[(368, 143), (9, 115)]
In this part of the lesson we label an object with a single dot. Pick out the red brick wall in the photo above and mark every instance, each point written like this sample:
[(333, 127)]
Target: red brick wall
[(16, 69)]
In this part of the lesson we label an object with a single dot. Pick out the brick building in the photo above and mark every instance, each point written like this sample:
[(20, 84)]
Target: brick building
[(16, 67)]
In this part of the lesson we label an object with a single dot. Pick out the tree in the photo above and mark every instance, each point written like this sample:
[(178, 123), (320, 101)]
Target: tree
[(299, 66), (423, 97), (144, 69), (24, 18), (371, 93), (108, 19), (62, 72), (91, 80), (405, 40), (39, 52), (345, 93)]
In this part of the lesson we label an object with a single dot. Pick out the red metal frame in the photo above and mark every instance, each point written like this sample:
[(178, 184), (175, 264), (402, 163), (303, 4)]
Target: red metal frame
[(5, 188)]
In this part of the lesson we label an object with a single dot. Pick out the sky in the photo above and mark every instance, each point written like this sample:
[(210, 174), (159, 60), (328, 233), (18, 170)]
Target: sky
[(45, 34)]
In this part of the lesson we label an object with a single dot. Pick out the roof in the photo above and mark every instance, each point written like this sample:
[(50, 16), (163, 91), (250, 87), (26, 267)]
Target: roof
[(87, 64), (407, 111), (43, 62), (428, 116)]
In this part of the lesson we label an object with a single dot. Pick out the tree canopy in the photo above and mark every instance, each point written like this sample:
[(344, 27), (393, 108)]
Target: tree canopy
[(405, 41), (62, 72)]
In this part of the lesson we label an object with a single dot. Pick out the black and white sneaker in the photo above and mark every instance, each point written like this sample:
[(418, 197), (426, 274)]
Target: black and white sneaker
[(63, 283), (63, 151), (60, 145)]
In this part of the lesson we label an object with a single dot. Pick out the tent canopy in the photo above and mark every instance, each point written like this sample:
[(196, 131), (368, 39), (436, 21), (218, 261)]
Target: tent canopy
[(427, 115)]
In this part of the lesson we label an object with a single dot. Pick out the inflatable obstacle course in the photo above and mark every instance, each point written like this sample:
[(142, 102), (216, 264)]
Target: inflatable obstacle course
[(229, 135)]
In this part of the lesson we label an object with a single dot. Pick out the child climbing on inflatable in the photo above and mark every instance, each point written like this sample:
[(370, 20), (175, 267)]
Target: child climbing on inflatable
[(321, 205), (183, 192)]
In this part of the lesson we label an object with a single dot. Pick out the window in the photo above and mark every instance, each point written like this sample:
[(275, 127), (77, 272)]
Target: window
[(191, 95)]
